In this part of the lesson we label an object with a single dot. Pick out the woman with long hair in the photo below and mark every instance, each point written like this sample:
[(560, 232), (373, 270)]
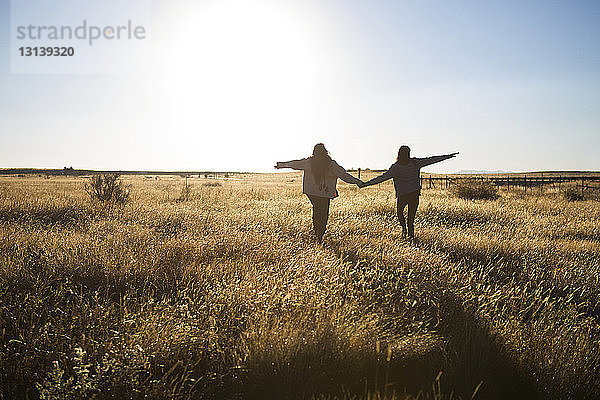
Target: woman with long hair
[(319, 183), (406, 172)]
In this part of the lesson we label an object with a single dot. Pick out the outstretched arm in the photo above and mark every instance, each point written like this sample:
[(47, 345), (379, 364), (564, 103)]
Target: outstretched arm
[(381, 178), (294, 164), (423, 162), (345, 176)]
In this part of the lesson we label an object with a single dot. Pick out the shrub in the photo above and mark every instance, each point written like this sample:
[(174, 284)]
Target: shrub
[(474, 190), (573, 194), (107, 188)]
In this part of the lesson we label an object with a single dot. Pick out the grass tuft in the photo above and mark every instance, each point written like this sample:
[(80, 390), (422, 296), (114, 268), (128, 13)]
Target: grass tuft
[(475, 190)]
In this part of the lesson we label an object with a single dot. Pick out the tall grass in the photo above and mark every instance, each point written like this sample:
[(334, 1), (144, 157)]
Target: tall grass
[(225, 295)]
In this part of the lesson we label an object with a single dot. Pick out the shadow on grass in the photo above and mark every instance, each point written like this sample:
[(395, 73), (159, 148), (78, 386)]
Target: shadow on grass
[(45, 214), (323, 368), (471, 354)]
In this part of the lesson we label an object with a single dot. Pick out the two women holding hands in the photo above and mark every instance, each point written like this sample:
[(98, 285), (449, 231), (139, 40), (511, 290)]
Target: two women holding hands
[(321, 174)]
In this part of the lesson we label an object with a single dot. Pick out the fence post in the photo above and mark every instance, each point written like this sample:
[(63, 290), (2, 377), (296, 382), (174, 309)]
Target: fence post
[(559, 182), (525, 183), (582, 185), (359, 173)]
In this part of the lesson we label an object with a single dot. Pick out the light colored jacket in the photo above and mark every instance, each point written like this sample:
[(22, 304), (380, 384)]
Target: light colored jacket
[(407, 177), (327, 188)]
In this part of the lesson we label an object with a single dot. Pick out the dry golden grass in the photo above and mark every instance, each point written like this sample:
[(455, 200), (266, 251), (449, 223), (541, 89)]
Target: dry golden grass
[(224, 294)]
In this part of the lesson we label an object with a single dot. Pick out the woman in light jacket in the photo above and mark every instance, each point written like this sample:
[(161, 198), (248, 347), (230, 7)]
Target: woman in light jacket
[(406, 172), (319, 183)]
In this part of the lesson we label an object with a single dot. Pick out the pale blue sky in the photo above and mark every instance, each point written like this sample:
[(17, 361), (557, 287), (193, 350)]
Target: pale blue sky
[(238, 85)]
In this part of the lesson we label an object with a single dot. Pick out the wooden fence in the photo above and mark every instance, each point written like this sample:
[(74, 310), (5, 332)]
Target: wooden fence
[(523, 182)]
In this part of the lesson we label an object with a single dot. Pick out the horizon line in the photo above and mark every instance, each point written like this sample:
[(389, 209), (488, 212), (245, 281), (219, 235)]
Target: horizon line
[(76, 171)]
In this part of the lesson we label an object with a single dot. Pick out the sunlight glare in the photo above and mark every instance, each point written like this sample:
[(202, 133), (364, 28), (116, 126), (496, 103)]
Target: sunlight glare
[(240, 71)]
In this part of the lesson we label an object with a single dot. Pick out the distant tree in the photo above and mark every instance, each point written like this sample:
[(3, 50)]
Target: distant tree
[(68, 171)]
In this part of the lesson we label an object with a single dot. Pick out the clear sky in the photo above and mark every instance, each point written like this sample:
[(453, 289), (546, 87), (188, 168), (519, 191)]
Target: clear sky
[(240, 84)]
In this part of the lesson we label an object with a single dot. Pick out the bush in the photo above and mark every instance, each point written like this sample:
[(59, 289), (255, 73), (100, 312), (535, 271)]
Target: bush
[(474, 190), (573, 194), (107, 188)]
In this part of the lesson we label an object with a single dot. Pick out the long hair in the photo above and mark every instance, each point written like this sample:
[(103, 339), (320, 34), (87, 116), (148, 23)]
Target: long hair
[(403, 155), (319, 162)]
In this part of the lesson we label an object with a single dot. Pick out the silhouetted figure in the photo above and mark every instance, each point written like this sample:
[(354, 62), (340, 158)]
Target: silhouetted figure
[(406, 172), (319, 183)]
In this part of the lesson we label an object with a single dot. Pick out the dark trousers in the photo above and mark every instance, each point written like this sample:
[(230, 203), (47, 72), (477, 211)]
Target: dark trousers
[(412, 200), (320, 215)]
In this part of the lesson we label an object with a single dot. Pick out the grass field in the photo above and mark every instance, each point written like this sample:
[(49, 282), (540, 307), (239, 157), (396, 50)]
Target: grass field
[(226, 295)]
